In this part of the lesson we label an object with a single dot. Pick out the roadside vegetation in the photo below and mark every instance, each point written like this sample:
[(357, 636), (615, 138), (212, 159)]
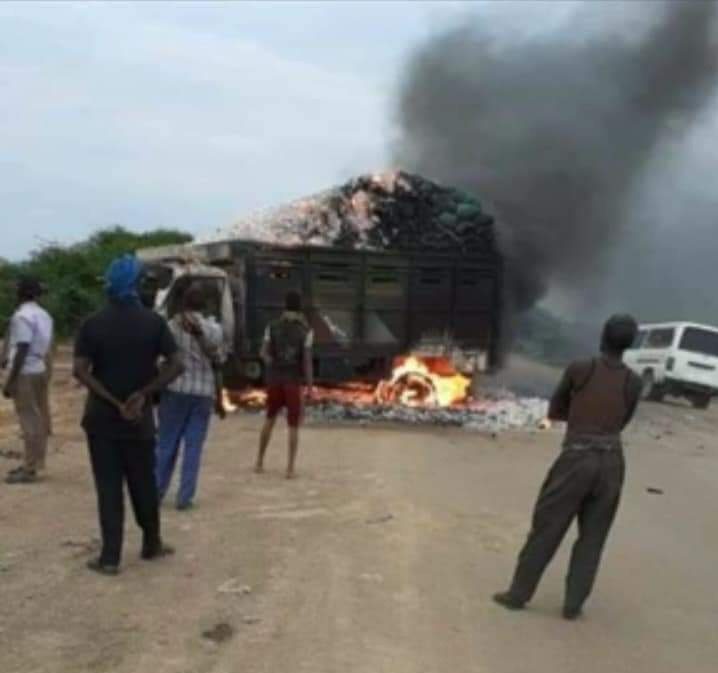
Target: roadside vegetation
[(72, 274)]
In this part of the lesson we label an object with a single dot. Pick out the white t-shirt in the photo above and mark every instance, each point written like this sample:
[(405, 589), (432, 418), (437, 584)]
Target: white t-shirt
[(31, 324)]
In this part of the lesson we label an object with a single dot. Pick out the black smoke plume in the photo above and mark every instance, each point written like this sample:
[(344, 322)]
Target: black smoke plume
[(557, 133)]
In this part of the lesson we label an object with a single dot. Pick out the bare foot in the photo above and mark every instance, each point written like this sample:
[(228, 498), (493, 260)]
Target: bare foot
[(291, 474), (258, 469)]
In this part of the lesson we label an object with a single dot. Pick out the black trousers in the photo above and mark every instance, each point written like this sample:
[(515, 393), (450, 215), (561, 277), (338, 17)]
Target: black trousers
[(115, 462), (582, 484)]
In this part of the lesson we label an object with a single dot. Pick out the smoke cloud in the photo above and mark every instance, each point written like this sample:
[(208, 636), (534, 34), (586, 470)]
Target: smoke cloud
[(558, 134)]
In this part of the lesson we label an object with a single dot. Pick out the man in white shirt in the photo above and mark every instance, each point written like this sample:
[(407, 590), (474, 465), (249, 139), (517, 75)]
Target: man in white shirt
[(29, 342)]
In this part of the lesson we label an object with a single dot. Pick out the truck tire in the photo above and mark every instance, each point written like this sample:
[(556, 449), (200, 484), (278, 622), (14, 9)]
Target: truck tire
[(253, 371), (651, 391), (702, 401)]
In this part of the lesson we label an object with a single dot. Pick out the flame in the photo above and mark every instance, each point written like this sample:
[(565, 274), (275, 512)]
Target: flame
[(253, 398), (227, 403), (414, 382), (424, 382)]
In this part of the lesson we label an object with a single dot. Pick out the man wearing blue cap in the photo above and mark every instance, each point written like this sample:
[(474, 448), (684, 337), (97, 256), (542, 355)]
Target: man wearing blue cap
[(124, 354)]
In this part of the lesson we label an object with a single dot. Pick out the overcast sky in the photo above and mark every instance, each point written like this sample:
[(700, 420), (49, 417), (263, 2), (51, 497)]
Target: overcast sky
[(188, 115)]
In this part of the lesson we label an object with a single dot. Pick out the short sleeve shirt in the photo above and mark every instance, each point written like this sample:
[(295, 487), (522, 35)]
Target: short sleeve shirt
[(287, 337), (124, 345), (32, 325)]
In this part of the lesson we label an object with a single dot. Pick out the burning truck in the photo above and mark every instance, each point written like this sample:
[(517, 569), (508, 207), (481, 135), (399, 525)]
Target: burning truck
[(401, 277)]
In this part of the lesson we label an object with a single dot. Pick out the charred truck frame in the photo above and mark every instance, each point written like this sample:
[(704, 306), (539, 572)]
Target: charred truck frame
[(366, 307)]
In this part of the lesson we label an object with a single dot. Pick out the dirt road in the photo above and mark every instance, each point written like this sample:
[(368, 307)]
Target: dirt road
[(381, 557)]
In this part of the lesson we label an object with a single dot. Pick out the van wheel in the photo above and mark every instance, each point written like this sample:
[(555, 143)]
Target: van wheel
[(651, 392), (701, 401)]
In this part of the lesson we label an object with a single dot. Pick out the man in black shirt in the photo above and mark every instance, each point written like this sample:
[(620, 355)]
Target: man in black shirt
[(117, 356)]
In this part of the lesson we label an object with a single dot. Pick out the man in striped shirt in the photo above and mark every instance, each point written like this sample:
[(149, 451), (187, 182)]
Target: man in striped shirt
[(186, 406)]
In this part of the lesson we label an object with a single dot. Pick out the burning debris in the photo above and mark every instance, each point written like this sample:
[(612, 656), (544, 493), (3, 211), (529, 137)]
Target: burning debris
[(421, 390), (423, 382), (392, 210), (487, 415)]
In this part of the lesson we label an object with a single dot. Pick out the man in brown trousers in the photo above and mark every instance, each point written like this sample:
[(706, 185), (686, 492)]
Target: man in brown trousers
[(597, 398), (28, 345)]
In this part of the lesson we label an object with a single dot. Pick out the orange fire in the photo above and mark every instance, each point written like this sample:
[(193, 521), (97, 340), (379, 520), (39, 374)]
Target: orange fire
[(415, 381), (227, 403), (254, 398)]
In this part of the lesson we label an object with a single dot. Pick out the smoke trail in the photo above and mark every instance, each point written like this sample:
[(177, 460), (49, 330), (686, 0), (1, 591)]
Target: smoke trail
[(556, 133)]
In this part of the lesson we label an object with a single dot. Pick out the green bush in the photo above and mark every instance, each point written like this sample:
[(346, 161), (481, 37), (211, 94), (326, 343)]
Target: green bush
[(73, 274), (8, 273)]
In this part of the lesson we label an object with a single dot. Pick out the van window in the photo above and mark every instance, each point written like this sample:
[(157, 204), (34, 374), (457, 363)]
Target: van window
[(640, 338), (700, 341), (660, 338)]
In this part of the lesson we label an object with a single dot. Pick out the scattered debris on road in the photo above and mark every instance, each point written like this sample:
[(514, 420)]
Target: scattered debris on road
[(654, 491), (374, 578), (234, 586), (220, 633), (82, 547), (380, 519), (497, 415), (9, 454)]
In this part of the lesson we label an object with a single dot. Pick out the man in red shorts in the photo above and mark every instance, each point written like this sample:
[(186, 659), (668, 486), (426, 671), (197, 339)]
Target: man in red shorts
[(287, 355)]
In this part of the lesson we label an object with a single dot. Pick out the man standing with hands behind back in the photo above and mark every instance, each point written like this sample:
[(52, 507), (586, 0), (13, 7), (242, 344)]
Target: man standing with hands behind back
[(116, 356)]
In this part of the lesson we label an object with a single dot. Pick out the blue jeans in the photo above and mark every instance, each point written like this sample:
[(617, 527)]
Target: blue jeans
[(182, 419)]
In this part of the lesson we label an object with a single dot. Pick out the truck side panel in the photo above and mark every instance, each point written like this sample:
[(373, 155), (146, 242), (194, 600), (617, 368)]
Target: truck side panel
[(366, 307)]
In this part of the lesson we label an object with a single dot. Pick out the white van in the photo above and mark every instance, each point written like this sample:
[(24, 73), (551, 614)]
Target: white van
[(678, 359)]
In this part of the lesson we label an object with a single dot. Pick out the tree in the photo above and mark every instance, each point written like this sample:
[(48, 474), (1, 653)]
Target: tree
[(73, 274)]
